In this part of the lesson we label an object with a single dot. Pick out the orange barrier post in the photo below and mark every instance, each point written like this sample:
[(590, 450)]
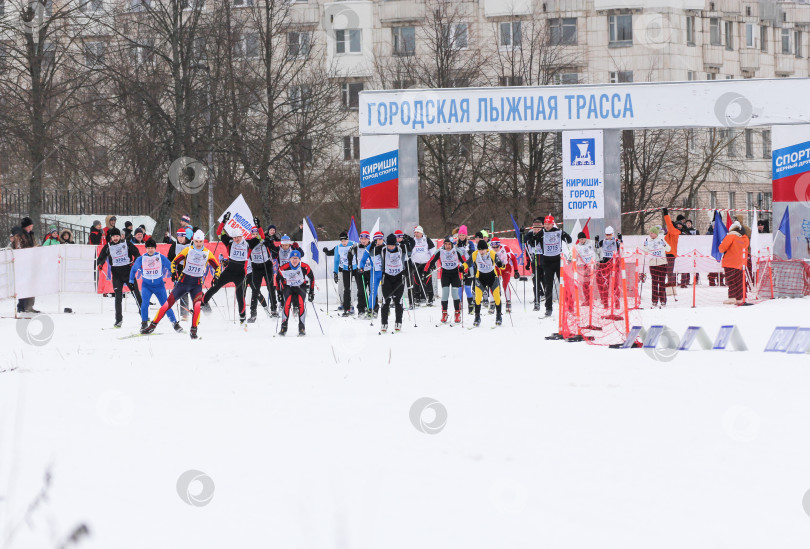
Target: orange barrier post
[(624, 294), (635, 286), (561, 301), (694, 280), (576, 292)]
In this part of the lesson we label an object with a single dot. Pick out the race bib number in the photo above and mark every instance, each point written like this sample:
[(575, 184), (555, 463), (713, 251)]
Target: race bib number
[(585, 253), (420, 252), (343, 260), (195, 262), (284, 255), (449, 259), (293, 277), (393, 263), (119, 254), (259, 254), (656, 248), (608, 248), (377, 260), (152, 267), (484, 262), (238, 252), (552, 243), (538, 249)]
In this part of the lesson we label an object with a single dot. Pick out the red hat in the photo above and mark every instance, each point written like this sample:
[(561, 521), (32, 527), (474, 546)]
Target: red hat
[(549, 219), (378, 234), (495, 242), (399, 232), (365, 234)]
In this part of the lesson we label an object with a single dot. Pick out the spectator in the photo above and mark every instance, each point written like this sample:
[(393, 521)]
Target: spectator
[(138, 237), (24, 238), (657, 250), (733, 247), (96, 237), (690, 228), (298, 234), (52, 237), (109, 223), (66, 237), (146, 236), (763, 226), (128, 230)]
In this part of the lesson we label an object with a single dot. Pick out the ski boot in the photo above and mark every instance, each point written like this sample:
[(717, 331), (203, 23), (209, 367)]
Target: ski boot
[(548, 312), (376, 312), (177, 327), (398, 327), (302, 331), (383, 328), (242, 318), (346, 313), (470, 308), (118, 324), (498, 318), (444, 317), (508, 306), (430, 302), (144, 324), (492, 307), (457, 318), (252, 318), (477, 321), (206, 308), (193, 332), (536, 306), (273, 312), (283, 330), (148, 329)]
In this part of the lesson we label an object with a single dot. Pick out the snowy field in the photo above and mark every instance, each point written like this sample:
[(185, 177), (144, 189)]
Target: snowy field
[(309, 442)]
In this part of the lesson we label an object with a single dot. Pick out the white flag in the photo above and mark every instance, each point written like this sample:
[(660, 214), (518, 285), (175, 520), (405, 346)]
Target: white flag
[(376, 228), (310, 242), (241, 217)]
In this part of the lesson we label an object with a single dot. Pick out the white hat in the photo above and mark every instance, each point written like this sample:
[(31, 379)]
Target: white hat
[(199, 235), (233, 232), (608, 230), (735, 225), (419, 229)]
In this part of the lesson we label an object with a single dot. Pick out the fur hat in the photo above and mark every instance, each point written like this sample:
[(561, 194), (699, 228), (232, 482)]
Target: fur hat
[(482, 244), (391, 240), (26, 222)]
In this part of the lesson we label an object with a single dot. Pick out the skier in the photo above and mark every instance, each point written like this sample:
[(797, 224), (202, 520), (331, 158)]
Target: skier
[(551, 239), (346, 268), (238, 255), (466, 249), (292, 280), (453, 268), (487, 265), (153, 267), (585, 257), (122, 255), (184, 235), (373, 260), (262, 270), (657, 247), (510, 263), (423, 250), (362, 274), (281, 248), (533, 248), (189, 280), (608, 267), (394, 258)]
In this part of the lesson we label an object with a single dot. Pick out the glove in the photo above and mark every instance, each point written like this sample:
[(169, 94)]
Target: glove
[(523, 279), (226, 217), (325, 249), (311, 296), (131, 282), (498, 263), (336, 278), (256, 222), (175, 276), (666, 211)]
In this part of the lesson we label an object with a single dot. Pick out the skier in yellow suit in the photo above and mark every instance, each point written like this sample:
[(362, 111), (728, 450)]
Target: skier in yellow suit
[(487, 275)]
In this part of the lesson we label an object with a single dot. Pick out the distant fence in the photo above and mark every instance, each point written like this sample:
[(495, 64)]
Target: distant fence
[(65, 202)]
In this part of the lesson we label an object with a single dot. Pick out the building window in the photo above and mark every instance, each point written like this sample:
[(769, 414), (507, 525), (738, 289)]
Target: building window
[(298, 43), (510, 35), (766, 144), (713, 200), (711, 76), (714, 32), (566, 78), (763, 38), (348, 40), (749, 205), (797, 43), (729, 35), (143, 52), (620, 30), (749, 143), (87, 6), (510, 80), (690, 30), (3, 58), (621, 77), (351, 147), (239, 3), (300, 97), (404, 40), (691, 139), (246, 46), (785, 40), (691, 75), (192, 4), (732, 200), (350, 94), (93, 53), (2, 8), (729, 136), (749, 35), (302, 151), (563, 31), (454, 36)]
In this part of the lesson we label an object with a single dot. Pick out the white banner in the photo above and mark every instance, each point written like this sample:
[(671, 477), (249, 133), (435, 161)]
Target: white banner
[(36, 271), (583, 168), (241, 217), (696, 104)]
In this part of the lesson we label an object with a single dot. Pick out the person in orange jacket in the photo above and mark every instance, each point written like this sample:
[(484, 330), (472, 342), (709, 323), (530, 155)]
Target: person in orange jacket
[(671, 238), (734, 248)]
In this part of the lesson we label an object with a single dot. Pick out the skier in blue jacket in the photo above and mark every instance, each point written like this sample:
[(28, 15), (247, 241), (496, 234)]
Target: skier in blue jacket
[(372, 257), (345, 265), (153, 267)]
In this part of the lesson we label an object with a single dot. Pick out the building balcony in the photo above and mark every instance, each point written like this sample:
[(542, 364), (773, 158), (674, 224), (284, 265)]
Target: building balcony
[(713, 55), (749, 59), (500, 8), (303, 14), (403, 10), (784, 63)]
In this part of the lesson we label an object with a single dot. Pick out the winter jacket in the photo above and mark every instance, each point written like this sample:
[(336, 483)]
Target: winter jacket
[(656, 250), (734, 249), (107, 227), (50, 241), (22, 239), (672, 236), (69, 237), (96, 236)]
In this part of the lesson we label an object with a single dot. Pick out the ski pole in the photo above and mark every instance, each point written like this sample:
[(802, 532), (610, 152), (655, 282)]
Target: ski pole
[(501, 298), (316, 317)]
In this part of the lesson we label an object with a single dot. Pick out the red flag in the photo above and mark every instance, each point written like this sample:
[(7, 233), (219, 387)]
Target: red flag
[(728, 221), (585, 229)]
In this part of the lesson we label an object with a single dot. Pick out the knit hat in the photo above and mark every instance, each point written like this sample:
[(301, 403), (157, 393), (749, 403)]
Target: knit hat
[(549, 219), (419, 229), (447, 239), (186, 219), (26, 222), (199, 235), (608, 230), (127, 224), (495, 242), (398, 233), (655, 230), (233, 232), (365, 234), (151, 243), (181, 232), (139, 230), (582, 235), (391, 240), (271, 227), (114, 231), (378, 234), (484, 234), (295, 253), (96, 222), (463, 230), (479, 234), (286, 240), (537, 222), (52, 228), (482, 244), (344, 235)]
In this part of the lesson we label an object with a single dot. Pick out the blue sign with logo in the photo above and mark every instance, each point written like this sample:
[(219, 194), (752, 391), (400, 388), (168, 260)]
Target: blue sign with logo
[(583, 152)]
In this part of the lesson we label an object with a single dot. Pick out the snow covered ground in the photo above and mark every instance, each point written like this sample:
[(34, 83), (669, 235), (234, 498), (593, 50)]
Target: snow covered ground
[(309, 442)]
